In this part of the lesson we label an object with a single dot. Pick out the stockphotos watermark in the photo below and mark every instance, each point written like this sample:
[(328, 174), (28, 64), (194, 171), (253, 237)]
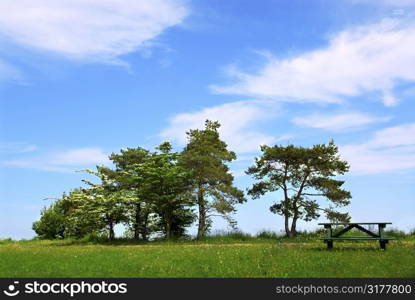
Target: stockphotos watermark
[(70, 289)]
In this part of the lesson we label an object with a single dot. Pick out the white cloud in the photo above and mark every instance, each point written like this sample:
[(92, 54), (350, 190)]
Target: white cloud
[(390, 149), (238, 173), (79, 157), (339, 122), (13, 148), (237, 120), (88, 29), (8, 72), (399, 3), (403, 135), (356, 61), (64, 161), (36, 165)]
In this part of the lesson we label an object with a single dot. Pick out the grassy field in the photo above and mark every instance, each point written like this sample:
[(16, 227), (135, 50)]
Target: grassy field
[(216, 257)]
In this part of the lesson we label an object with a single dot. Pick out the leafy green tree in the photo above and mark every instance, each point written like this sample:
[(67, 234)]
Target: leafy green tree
[(79, 221), (66, 218), (125, 174), (182, 218), (105, 202), (159, 186), (206, 156), (51, 224), (304, 175), (166, 185)]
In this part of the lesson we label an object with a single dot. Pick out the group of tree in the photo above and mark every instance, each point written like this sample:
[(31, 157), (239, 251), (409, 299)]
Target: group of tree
[(162, 192), (152, 193)]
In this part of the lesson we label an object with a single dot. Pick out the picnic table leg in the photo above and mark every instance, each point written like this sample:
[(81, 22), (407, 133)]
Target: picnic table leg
[(381, 228), (382, 242), (329, 234)]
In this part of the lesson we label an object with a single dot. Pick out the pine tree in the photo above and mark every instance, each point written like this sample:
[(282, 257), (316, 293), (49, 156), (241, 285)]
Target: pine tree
[(303, 175), (206, 156)]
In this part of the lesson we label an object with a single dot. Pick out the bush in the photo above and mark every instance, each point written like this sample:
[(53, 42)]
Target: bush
[(51, 223), (235, 235), (266, 234), (6, 241), (396, 233), (95, 238)]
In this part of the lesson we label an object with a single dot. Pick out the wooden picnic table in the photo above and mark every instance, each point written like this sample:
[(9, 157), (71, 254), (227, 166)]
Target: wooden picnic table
[(332, 236)]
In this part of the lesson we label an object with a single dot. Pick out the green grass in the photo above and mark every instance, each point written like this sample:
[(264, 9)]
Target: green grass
[(218, 256)]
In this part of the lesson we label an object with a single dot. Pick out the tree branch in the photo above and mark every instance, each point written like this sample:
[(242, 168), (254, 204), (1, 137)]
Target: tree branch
[(214, 215)]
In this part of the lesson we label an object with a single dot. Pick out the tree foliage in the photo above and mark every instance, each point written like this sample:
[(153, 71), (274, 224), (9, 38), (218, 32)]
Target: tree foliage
[(52, 222), (304, 175), (149, 192), (126, 174), (161, 193), (206, 157), (165, 186)]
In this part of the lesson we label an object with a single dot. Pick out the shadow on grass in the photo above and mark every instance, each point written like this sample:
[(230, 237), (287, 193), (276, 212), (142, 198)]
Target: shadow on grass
[(102, 243), (316, 246), (350, 247), (346, 249)]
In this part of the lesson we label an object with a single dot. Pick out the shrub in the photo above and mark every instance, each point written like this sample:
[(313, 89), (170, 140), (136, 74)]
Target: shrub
[(266, 234)]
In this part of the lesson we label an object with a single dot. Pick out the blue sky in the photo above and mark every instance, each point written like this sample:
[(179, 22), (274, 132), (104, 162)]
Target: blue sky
[(82, 79)]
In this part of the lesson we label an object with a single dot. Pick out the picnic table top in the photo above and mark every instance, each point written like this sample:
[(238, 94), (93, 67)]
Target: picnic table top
[(355, 223)]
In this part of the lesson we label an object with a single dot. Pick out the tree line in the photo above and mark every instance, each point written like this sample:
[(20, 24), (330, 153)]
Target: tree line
[(162, 192)]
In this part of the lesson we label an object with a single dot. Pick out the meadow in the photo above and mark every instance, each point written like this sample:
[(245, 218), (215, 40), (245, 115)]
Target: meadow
[(229, 255)]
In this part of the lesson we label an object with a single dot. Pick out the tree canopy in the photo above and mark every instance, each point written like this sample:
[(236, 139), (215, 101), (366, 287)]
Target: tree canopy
[(304, 175), (149, 192), (206, 157)]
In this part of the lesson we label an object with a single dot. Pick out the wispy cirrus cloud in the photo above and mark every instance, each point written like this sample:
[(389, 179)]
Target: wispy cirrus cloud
[(356, 61), (16, 147), (61, 161), (393, 3), (338, 122), (390, 149), (9, 72), (98, 31), (238, 121), (79, 157)]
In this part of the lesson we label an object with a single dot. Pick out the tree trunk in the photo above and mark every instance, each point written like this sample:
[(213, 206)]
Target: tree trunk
[(287, 225), (111, 229), (145, 229), (201, 230), (168, 230), (137, 221), (287, 214), (294, 223), (286, 205), (293, 231)]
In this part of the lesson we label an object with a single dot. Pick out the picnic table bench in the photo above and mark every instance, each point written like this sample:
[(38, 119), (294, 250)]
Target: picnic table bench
[(332, 236)]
